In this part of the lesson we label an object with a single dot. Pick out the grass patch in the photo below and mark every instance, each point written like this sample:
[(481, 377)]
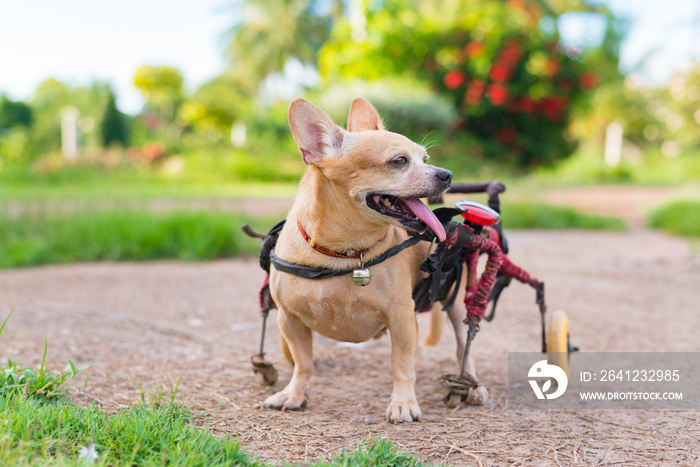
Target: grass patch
[(38, 384), (39, 426), (34, 433), (678, 218), (196, 174), (525, 215), (45, 237), (587, 167), (374, 452), (54, 237)]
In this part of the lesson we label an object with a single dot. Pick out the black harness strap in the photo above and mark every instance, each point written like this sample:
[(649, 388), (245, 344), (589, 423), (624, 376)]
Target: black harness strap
[(310, 272)]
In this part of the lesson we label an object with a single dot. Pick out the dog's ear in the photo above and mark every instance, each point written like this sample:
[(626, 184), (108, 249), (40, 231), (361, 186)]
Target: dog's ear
[(314, 131), (363, 116)]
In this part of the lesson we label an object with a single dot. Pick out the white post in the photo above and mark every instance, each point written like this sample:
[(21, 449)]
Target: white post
[(238, 134), (613, 144), (69, 132)]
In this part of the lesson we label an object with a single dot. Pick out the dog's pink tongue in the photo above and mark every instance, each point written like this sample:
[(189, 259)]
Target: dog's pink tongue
[(424, 213)]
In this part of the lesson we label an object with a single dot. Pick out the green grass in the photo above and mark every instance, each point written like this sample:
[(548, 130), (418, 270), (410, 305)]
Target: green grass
[(525, 215), (54, 237), (40, 426), (131, 184), (36, 433), (17, 380), (46, 237), (678, 218), (373, 453), (111, 175), (586, 167)]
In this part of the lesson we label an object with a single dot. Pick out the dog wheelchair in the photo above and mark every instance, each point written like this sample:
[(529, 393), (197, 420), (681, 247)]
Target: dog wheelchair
[(480, 232)]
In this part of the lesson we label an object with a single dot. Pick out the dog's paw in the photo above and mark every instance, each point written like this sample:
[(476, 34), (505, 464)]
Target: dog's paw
[(399, 412), (478, 396), (285, 400)]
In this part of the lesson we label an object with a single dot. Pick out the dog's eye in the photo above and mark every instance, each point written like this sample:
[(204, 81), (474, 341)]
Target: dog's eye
[(399, 161)]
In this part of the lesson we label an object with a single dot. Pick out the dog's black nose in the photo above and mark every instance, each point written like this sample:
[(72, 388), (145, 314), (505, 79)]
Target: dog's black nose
[(444, 176)]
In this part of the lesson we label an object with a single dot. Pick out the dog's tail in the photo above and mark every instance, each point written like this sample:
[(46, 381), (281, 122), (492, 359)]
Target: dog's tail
[(437, 322)]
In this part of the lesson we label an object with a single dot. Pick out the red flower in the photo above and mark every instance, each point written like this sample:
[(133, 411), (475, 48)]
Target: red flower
[(527, 104), (507, 135), (454, 79), (511, 53), (588, 80), (498, 94), (475, 89), (474, 49), (499, 73), (553, 106)]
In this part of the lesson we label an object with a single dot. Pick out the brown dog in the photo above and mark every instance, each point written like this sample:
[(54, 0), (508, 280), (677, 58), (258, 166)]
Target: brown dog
[(359, 195)]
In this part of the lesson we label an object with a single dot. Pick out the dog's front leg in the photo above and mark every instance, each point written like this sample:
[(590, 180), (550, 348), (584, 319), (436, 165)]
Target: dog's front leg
[(403, 406), (300, 340)]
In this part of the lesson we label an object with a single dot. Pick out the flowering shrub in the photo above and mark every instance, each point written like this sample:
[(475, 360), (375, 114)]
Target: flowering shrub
[(519, 104), (511, 81)]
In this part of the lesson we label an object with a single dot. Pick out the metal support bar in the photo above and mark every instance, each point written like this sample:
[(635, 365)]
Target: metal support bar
[(473, 323), (543, 311), (262, 335)]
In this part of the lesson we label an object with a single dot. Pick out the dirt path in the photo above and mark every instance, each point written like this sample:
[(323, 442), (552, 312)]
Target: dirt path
[(135, 323)]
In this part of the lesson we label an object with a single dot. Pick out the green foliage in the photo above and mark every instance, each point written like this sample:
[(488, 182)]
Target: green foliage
[(113, 128), (586, 166), (528, 215), (196, 174), (35, 383), (678, 218), (14, 114), (271, 32), (212, 109), (161, 86), (676, 110), (15, 147), (406, 106), (50, 100), (372, 453), (116, 235), (35, 433), (507, 76)]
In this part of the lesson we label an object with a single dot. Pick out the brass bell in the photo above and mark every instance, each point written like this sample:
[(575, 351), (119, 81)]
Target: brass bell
[(361, 276)]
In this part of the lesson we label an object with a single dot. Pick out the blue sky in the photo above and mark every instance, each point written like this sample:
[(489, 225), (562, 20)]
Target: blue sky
[(77, 41)]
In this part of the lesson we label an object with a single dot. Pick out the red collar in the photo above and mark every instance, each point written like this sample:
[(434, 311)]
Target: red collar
[(328, 251)]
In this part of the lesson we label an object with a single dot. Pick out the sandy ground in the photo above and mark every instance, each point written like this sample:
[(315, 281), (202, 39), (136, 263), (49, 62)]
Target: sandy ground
[(133, 324)]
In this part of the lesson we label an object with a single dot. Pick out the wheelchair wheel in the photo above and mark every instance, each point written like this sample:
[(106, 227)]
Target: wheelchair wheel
[(558, 341)]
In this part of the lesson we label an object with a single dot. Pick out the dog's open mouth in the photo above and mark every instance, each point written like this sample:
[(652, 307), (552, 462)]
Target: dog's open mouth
[(411, 213)]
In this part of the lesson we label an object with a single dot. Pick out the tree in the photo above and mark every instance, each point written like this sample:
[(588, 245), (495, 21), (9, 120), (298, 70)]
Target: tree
[(51, 97), (213, 108), (161, 87), (113, 128), (14, 113), (271, 32), (510, 79)]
